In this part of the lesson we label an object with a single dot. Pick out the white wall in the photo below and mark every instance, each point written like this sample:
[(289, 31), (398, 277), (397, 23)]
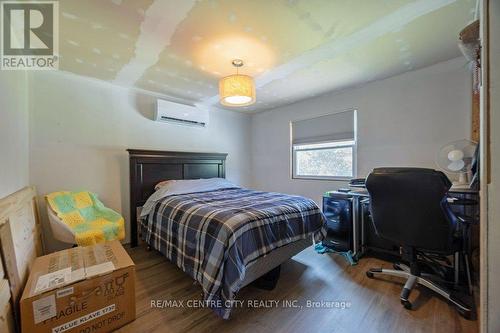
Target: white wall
[(402, 121), (80, 129), (14, 132), (492, 229)]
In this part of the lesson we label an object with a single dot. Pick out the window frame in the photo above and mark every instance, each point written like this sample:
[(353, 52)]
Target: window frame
[(354, 146)]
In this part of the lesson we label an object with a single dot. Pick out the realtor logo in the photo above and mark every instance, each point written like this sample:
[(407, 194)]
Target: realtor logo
[(30, 35)]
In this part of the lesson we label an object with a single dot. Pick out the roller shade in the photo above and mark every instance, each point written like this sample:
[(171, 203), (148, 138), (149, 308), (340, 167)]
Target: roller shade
[(332, 127)]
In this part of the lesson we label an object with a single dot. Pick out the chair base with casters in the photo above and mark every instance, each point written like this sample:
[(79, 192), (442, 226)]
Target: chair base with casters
[(414, 277)]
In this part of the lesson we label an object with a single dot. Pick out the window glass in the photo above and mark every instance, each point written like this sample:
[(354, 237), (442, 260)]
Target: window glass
[(324, 147)]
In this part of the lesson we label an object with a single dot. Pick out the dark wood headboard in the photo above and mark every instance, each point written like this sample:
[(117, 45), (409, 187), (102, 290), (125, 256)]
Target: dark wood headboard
[(149, 167)]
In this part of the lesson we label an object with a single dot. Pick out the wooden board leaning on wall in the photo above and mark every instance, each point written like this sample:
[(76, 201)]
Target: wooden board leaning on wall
[(469, 43), (20, 239), (6, 316)]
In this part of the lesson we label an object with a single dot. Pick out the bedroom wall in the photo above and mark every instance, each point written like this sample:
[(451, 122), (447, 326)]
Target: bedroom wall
[(80, 129), (14, 132), (402, 121), (490, 225)]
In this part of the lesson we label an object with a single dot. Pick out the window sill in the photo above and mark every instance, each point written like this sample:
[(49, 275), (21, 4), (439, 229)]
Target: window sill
[(343, 179)]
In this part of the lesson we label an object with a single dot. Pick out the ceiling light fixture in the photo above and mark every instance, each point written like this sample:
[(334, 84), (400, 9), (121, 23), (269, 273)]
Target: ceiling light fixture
[(237, 89)]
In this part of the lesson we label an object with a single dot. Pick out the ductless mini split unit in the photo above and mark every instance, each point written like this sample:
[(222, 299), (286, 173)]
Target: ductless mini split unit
[(181, 114)]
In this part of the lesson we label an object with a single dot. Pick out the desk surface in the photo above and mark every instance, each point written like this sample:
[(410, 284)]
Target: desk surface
[(459, 189), (361, 191)]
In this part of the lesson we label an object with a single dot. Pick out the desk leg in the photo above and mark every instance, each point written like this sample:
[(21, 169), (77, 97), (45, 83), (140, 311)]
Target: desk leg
[(355, 225), (362, 242), (467, 271)]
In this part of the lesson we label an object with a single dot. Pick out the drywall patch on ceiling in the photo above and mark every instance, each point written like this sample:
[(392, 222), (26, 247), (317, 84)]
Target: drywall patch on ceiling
[(216, 54), (186, 68), (109, 84), (389, 23), (160, 22)]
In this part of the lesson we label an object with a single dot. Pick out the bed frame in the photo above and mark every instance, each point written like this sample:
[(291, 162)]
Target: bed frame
[(149, 167)]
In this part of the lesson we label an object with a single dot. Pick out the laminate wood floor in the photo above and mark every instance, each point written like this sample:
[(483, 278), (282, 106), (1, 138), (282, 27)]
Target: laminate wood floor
[(374, 303)]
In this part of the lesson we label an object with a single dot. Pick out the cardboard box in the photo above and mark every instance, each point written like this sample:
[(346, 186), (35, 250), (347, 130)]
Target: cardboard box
[(83, 289)]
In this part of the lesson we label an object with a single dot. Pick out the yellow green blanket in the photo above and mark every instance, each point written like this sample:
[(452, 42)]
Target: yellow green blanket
[(87, 217)]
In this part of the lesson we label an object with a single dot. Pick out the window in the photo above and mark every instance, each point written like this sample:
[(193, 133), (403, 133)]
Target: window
[(328, 159), (324, 147)]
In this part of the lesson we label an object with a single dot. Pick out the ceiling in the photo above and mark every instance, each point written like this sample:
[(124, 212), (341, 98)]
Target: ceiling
[(294, 49)]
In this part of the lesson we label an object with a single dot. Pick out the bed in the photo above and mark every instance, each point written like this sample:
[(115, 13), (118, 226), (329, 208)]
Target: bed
[(222, 235)]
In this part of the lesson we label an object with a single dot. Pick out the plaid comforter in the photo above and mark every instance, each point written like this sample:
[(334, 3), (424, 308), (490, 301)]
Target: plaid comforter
[(214, 236)]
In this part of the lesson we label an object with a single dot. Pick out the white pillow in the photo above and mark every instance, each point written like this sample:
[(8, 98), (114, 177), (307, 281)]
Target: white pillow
[(164, 183), (185, 186), (193, 184)]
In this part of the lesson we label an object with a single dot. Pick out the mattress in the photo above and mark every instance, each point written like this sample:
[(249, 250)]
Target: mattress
[(216, 236)]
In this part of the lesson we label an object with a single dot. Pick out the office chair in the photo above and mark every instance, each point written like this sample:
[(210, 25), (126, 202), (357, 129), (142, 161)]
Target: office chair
[(409, 207)]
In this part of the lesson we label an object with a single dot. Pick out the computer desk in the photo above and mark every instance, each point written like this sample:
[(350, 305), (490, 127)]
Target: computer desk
[(360, 195)]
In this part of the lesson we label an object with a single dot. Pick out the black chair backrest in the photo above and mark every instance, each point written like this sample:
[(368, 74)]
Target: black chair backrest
[(409, 207)]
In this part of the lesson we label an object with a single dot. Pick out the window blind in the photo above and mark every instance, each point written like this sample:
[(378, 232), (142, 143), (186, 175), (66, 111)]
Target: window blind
[(332, 127)]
